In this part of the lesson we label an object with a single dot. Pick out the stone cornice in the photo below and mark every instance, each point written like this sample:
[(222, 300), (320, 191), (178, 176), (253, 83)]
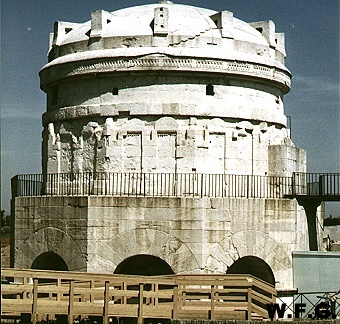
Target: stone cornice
[(59, 72)]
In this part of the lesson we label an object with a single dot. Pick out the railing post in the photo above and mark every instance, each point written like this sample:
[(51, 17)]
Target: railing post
[(212, 301), (124, 287), (247, 186), (175, 303), (89, 184), (321, 184), (35, 301), (249, 295), (14, 185), (106, 303), (70, 302), (58, 289), (140, 303), (293, 184)]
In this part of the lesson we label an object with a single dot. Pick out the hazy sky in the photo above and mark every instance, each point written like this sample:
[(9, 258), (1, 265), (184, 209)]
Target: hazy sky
[(311, 29)]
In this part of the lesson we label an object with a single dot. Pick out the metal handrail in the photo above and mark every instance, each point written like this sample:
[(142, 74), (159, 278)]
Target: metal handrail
[(316, 184), (151, 185)]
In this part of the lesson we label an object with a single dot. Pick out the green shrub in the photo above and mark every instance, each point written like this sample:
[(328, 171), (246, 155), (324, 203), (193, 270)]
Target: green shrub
[(5, 230)]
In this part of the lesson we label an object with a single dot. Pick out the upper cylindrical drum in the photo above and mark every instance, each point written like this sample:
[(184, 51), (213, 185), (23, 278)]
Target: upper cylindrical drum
[(168, 75)]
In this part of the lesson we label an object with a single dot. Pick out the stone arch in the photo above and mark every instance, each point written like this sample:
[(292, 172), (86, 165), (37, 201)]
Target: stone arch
[(49, 261), (145, 241), (254, 266), (166, 124), (264, 246), (145, 265), (256, 243), (52, 240)]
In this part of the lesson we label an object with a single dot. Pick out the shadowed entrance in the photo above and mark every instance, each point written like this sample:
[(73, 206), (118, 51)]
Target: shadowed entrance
[(145, 265), (49, 261), (254, 266)]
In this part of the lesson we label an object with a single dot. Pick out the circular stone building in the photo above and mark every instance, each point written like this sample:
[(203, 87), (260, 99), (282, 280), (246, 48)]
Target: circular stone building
[(165, 148), (167, 88)]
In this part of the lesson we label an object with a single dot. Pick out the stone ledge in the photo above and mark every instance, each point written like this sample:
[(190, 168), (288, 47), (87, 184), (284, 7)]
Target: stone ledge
[(54, 73)]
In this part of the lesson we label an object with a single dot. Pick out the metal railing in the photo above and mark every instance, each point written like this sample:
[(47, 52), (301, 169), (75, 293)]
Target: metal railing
[(151, 185), (316, 184), (42, 295)]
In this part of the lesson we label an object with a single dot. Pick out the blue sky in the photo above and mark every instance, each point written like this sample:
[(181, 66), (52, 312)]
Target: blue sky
[(311, 29)]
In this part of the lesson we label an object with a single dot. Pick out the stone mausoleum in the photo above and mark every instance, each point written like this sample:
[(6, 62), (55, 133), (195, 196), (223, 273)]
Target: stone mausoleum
[(165, 149)]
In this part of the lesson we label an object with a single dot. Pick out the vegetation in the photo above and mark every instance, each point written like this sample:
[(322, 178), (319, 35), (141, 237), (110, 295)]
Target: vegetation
[(331, 221), (5, 224)]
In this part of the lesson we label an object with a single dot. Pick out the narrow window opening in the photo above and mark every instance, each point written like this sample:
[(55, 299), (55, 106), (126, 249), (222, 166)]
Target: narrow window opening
[(260, 29), (108, 21), (161, 15), (67, 30), (160, 9), (209, 90), (162, 26), (115, 91)]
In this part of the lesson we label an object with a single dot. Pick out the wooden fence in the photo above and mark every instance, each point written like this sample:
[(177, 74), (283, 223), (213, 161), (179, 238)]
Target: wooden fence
[(45, 295)]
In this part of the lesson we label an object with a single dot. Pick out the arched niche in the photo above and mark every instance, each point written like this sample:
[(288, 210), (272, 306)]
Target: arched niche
[(49, 261), (145, 265), (254, 266)]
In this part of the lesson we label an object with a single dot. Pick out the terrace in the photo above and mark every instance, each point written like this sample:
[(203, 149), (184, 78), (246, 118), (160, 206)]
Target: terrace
[(318, 186)]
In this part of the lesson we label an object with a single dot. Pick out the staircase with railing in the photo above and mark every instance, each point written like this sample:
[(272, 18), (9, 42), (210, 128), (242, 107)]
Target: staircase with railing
[(45, 295)]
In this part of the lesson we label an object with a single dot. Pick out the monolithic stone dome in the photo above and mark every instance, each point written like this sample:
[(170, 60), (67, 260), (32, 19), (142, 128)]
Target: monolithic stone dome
[(173, 30), (182, 20)]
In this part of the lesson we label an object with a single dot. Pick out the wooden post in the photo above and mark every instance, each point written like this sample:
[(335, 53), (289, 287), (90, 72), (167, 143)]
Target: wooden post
[(106, 303), (26, 283), (35, 300), (70, 302), (58, 289), (140, 303), (212, 301), (249, 304), (175, 303), (124, 299), (155, 303), (92, 290)]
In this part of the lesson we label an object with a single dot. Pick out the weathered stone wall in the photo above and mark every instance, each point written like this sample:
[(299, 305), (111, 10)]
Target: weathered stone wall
[(193, 235), (44, 224), (166, 144)]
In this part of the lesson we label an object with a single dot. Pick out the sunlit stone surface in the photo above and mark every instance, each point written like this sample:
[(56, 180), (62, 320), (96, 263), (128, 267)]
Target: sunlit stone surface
[(165, 88)]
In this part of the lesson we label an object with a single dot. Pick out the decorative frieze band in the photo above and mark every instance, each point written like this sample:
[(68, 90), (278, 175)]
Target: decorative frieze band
[(53, 73)]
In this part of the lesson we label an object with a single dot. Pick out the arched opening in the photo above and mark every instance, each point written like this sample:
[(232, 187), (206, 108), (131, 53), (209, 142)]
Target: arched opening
[(49, 261), (144, 265), (254, 266)]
